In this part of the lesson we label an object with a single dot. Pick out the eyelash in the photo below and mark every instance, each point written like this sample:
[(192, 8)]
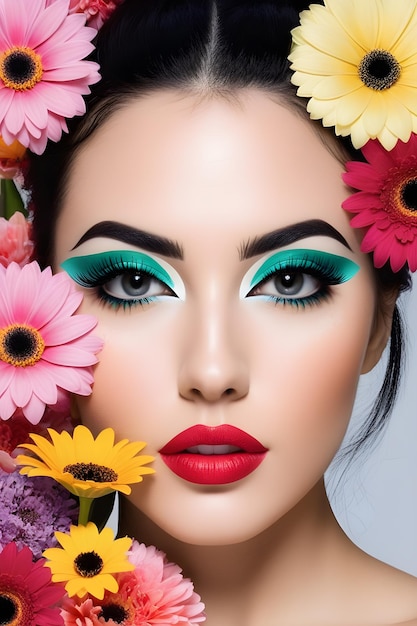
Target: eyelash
[(326, 272), (98, 275)]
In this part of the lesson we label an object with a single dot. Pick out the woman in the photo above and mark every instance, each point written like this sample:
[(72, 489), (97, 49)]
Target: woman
[(199, 209)]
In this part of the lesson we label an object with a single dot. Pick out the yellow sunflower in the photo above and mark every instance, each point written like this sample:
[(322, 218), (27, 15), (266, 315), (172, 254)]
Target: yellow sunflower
[(88, 559), (87, 467), (357, 62)]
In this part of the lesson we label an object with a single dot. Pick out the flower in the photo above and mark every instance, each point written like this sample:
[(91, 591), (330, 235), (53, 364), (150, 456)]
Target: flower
[(87, 467), (15, 242), (16, 430), (154, 593), (43, 346), (88, 560), (7, 463), (96, 11), (11, 158), (31, 510), (27, 596), (387, 202), (357, 62), (42, 74), (76, 612)]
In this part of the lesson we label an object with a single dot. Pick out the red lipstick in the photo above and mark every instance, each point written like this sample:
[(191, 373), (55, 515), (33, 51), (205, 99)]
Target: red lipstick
[(213, 455)]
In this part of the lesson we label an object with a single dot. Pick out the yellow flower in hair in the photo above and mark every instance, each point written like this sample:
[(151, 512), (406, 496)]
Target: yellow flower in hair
[(357, 62), (87, 467), (88, 560)]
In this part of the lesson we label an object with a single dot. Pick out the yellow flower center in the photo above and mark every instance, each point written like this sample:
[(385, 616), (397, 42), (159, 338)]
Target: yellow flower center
[(20, 68), (21, 345), (88, 564), (15, 606), (399, 194), (91, 471), (379, 70)]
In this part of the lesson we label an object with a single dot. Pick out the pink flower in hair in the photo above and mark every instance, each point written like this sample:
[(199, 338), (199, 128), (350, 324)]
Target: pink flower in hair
[(43, 345), (386, 204), (15, 242), (43, 76), (96, 11)]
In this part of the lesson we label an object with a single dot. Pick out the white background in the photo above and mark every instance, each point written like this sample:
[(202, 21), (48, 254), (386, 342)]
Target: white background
[(376, 502)]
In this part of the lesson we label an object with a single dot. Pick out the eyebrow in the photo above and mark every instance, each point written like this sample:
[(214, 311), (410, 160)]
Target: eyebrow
[(133, 237), (289, 234)]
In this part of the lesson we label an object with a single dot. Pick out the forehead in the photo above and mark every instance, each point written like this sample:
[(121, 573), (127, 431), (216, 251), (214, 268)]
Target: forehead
[(175, 165)]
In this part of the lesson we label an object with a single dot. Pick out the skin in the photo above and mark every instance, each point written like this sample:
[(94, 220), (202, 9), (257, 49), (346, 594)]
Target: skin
[(213, 174)]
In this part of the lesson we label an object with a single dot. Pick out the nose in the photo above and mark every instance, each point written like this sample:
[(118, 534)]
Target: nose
[(213, 366)]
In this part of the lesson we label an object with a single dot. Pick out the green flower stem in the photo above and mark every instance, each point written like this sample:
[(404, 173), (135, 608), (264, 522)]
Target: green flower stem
[(84, 512), (10, 199)]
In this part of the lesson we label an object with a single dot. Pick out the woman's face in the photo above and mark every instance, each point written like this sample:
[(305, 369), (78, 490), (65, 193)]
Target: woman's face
[(231, 291)]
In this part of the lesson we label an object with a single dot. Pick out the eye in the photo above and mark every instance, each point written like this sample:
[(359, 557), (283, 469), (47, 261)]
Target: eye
[(125, 278), (134, 285), (299, 277), (288, 283)]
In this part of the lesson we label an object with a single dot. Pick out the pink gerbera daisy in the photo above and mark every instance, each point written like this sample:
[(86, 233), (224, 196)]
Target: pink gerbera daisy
[(386, 203), (27, 595), (43, 346), (42, 74)]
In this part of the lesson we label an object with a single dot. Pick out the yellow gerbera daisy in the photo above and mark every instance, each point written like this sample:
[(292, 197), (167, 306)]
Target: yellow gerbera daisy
[(357, 62), (87, 467), (88, 559)]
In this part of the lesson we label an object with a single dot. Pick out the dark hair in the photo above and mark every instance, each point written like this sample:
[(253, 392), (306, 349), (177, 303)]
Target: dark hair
[(207, 48)]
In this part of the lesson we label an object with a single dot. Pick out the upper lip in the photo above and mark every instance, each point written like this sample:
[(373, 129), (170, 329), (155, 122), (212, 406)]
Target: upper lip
[(224, 434)]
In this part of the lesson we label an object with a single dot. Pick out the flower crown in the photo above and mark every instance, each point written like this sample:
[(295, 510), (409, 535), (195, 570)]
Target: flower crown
[(357, 64)]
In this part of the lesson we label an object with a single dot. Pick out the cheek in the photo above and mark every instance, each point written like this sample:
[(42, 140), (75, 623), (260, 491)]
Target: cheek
[(311, 380), (133, 382)]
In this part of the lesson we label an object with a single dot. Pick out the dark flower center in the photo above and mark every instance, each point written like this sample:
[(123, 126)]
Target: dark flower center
[(16, 608), (88, 564), (29, 516), (20, 68), (21, 345), (8, 610), (91, 471), (379, 70), (409, 195), (114, 612)]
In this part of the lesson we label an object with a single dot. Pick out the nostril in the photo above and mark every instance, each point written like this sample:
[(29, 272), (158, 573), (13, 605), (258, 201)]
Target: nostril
[(229, 391)]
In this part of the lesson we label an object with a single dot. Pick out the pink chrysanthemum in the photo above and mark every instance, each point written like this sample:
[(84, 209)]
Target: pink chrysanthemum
[(15, 242), (96, 11), (27, 595), (386, 203), (154, 593), (43, 346), (42, 74)]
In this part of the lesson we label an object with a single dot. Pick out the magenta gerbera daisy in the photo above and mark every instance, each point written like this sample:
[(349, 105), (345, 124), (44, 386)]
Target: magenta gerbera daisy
[(42, 72), (43, 346), (27, 595), (386, 204)]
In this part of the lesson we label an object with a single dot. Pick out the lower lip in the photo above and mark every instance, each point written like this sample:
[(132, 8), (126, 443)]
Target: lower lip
[(213, 469)]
